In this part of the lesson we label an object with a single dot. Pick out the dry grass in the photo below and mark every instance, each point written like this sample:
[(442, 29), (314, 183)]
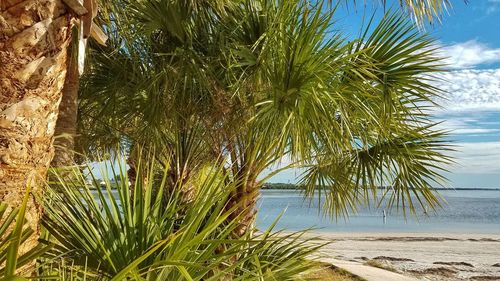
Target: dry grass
[(332, 273), (381, 265), (438, 271)]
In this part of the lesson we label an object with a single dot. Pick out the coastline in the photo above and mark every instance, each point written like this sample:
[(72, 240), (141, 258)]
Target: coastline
[(425, 256), (291, 186)]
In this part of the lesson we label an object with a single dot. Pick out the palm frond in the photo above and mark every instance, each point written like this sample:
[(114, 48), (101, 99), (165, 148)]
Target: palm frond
[(143, 231), (253, 83)]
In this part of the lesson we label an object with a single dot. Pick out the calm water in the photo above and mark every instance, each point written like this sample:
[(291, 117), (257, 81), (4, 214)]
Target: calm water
[(465, 211)]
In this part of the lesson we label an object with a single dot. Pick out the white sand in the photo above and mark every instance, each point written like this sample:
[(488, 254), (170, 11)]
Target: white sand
[(369, 272), (423, 251)]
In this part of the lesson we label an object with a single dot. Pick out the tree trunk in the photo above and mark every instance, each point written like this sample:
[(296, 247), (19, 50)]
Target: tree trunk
[(34, 38), (65, 131), (245, 200)]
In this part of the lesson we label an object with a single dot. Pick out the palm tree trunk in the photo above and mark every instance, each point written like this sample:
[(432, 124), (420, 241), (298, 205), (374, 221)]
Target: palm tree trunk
[(245, 200), (65, 131), (34, 38)]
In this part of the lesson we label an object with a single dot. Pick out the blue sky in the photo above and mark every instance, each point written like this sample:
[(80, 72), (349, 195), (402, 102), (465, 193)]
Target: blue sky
[(470, 37)]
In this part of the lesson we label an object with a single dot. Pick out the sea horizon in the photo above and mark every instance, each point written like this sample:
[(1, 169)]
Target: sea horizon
[(292, 186), (462, 211)]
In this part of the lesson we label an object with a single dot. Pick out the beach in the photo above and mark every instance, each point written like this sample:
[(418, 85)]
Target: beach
[(421, 256), (460, 241)]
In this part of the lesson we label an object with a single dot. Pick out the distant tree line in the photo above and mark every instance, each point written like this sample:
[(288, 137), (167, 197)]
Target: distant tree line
[(292, 186), (280, 185)]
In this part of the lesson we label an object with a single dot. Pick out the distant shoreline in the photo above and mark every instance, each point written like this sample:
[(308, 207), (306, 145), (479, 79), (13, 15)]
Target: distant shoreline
[(291, 186)]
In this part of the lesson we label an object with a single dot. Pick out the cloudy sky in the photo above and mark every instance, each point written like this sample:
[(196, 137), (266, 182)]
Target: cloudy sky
[(470, 38), (471, 41)]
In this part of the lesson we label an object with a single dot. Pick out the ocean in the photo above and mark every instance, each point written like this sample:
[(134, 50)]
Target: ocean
[(463, 212)]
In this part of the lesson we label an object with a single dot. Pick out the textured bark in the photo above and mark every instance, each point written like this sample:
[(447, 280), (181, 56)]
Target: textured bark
[(65, 131), (245, 200), (34, 37), (131, 173)]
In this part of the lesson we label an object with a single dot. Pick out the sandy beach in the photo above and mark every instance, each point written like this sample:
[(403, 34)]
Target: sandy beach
[(421, 256)]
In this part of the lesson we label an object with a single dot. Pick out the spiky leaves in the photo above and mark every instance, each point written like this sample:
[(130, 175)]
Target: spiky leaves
[(14, 257), (392, 140), (355, 115), (146, 235), (421, 11), (263, 81)]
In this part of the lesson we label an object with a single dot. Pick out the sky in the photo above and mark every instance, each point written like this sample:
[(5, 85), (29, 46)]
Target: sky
[(469, 35)]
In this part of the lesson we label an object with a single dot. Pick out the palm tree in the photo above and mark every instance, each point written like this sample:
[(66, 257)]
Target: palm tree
[(34, 41), (255, 83), (65, 129), (33, 55), (210, 79)]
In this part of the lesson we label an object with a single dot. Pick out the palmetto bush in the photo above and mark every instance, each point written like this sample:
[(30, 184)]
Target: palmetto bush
[(14, 260), (144, 231)]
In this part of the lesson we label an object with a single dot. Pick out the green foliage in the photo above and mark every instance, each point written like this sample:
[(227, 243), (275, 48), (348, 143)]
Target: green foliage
[(279, 256), (425, 10), (13, 233), (145, 232), (252, 83), (420, 11), (241, 86)]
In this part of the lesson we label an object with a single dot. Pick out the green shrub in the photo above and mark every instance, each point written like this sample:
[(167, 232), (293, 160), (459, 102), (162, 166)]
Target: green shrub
[(13, 233), (147, 232)]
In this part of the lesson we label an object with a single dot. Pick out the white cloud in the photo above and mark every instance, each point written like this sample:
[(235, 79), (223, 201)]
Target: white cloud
[(469, 54), (459, 125), (477, 157), (463, 131), (489, 122), (471, 90), (492, 8)]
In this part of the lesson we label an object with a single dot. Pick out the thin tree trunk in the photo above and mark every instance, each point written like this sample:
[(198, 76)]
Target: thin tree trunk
[(65, 131), (131, 172), (34, 38), (245, 200)]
